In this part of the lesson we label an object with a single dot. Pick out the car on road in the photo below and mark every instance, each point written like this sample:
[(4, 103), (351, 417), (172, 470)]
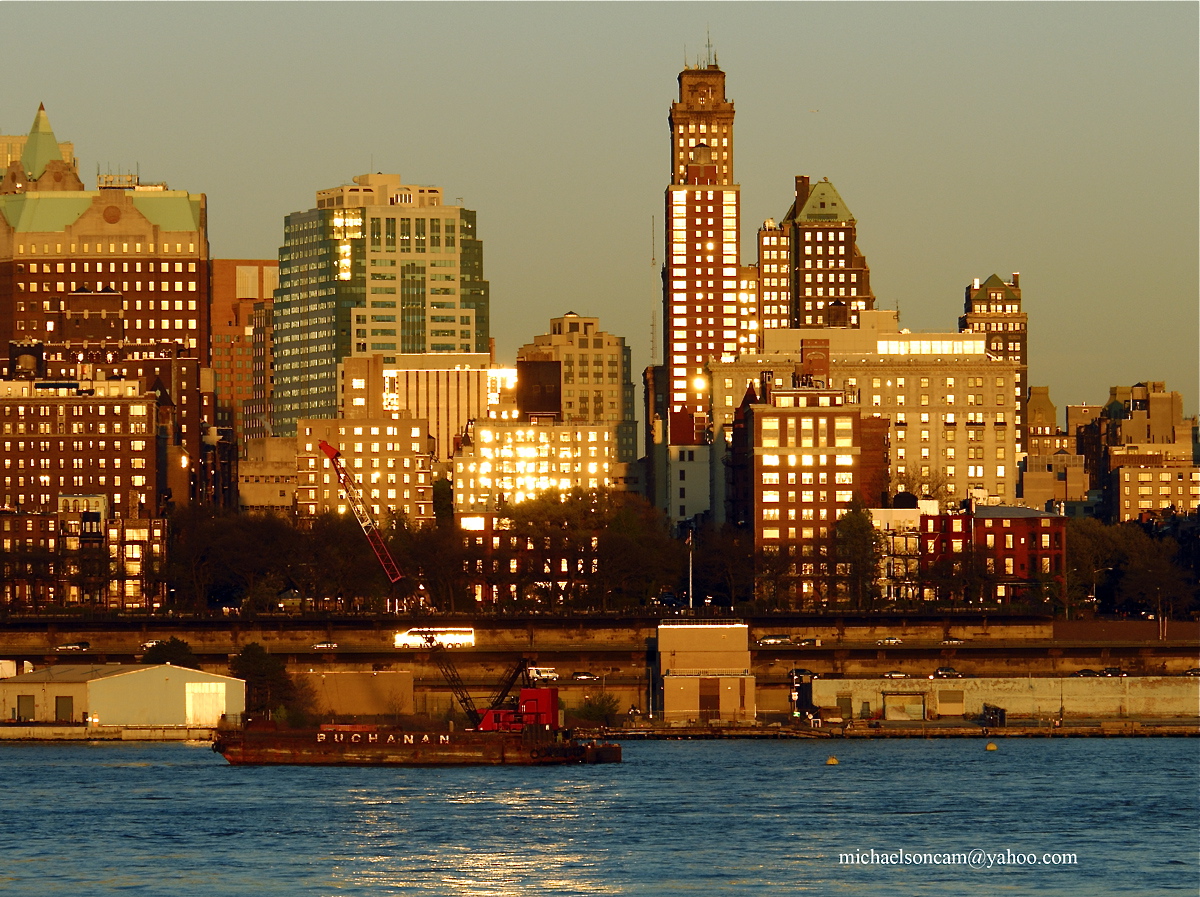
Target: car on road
[(890, 640), (1113, 673), (1084, 674), (153, 643), (325, 646), (945, 673), (895, 674), (543, 674), (74, 646), (809, 643), (768, 640), (584, 676), (953, 641), (799, 674), (1194, 671)]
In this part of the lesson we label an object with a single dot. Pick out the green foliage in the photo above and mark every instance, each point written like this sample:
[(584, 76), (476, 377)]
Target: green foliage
[(174, 651), (268, 685), (601, 708), (857, 553), (1125, 569)]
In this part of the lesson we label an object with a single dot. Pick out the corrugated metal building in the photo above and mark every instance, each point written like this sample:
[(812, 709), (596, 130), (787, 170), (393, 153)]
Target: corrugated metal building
[(121, 695)]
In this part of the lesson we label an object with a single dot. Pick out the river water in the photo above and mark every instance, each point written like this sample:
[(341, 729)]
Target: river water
[(676, 818)]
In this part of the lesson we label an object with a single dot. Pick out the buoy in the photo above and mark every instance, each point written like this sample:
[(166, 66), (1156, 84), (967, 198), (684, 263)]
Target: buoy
[(832, 761), (991, 746)]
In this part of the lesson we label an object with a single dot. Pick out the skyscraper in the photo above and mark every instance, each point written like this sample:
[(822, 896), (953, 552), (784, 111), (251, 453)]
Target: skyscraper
[(379, 267), (830, 282), (144, 241), (993, 307), (594, 378), (700, 276)]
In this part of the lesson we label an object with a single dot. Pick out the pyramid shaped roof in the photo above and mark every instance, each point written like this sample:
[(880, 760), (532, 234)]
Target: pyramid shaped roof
[(824, 203), (42, 146)]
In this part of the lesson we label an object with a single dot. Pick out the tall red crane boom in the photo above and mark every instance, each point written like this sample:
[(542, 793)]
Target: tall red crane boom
[(354, 497)]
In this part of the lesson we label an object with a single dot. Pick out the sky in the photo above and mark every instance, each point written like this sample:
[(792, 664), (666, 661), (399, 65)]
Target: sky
[(1058, 140)]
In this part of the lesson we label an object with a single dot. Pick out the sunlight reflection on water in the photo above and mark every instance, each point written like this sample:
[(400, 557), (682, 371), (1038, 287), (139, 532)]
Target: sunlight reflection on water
[(676, 818)]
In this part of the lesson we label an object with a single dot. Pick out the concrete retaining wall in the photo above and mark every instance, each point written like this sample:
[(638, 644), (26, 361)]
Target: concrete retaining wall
[(1152, 697)]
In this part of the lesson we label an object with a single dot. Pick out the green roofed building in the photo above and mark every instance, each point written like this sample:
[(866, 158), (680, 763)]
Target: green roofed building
[(811, 273), (379, 267), (144, 242)]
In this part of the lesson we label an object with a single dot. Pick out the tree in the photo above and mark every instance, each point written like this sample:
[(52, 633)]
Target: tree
[(174, 651), (268, 685), (601, 707), (858, 547)]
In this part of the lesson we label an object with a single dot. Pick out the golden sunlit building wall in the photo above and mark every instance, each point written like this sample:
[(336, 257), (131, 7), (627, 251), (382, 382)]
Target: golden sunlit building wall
[(509, 461), (388, 458)]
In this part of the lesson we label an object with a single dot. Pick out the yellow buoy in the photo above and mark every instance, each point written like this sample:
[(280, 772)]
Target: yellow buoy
[(832, 761), (991, 746)]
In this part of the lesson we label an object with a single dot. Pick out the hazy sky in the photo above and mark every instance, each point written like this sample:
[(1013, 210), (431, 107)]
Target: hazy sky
[(1054, 139)]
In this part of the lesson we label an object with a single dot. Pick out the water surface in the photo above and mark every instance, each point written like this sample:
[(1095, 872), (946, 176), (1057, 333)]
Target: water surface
[(677, 817)]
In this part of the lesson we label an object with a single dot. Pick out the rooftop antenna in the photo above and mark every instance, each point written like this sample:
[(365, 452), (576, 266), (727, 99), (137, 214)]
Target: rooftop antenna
[(708, 35)]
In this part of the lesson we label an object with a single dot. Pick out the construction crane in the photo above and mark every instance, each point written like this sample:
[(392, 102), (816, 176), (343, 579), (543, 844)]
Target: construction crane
[(354, 497), (497, 715)]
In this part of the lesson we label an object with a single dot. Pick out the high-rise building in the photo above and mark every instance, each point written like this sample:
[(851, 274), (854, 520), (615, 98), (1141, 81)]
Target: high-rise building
[(144, 241), (700, 275), (593, 374), (379, 267), (993, 307), (948, 404), (830, 283), (445, 390), (801, 455), (388, 458), (239, 287)]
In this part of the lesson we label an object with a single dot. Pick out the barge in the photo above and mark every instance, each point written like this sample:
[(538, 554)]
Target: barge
[(526, 736)]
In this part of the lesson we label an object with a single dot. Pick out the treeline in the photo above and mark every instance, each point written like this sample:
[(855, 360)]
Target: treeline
[(603, 551)]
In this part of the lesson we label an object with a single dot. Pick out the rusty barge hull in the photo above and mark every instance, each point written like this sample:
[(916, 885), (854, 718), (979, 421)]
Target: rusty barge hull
[(396, 748)]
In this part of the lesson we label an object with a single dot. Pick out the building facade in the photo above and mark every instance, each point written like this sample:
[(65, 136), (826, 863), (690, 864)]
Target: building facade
[(144, 241), (377, 267), (996, 553), (242, 290), (595, 377), (389, 458)]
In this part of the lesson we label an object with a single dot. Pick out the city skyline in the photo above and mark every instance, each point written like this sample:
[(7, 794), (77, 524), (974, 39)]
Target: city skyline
[(962, 150)]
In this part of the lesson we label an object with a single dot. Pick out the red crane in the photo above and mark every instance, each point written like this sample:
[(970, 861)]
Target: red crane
[(360, 512)]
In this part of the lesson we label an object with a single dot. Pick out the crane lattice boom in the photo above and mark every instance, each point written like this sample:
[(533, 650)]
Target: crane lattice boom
[(354, 497)]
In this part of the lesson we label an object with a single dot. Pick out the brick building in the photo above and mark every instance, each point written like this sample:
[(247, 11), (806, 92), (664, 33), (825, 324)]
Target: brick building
[(1002, 554)]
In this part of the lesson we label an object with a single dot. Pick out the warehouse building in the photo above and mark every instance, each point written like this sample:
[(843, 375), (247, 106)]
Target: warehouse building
[(121, 695)]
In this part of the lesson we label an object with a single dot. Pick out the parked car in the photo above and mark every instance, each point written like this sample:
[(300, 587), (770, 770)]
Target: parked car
[(768, 640), (1085, 673), (895, 674), (153, 643), (946, 673), (325, 646), (74, 646), (1113, 673), (799, 673), (584, 676), (890, 640), (953, 641)]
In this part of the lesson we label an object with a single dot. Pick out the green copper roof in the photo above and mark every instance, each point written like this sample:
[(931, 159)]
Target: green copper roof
[(43, 212), (41, 147), (824, 204), (996, 282), (40, 212), (173, 210)]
